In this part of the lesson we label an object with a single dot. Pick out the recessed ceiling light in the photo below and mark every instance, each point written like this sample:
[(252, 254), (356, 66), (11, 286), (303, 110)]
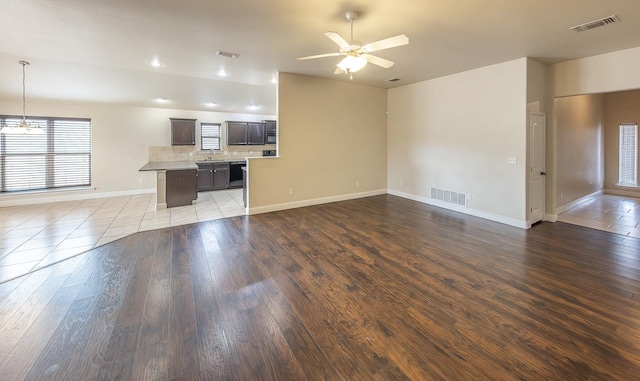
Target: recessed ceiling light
[(210, 104), (222, 73), (161, 100), (253, 107), (156, 63)]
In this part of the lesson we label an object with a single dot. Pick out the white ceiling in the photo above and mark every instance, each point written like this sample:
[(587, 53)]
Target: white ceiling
[(100, 51)]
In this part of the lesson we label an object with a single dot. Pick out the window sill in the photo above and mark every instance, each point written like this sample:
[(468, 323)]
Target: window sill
[(47, 191)]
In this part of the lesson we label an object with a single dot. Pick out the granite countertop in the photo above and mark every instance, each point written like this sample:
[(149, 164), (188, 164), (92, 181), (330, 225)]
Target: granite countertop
[(169, 165), (207, 161)]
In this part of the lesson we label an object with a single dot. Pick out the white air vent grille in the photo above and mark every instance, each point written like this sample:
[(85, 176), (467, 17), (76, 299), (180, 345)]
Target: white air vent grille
[(596, 23), (449, 196)]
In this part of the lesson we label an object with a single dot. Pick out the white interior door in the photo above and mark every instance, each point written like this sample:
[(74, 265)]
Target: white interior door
[(537, 167)]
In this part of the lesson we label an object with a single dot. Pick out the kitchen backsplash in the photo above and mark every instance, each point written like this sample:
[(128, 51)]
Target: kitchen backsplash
[(190, 153)]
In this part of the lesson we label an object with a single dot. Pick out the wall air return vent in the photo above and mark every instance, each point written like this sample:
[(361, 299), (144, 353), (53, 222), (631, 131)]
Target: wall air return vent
[(595, 23), (449, 196)]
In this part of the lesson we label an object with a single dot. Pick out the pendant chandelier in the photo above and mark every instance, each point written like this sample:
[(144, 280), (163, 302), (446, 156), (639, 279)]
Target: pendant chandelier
[(23, 127)]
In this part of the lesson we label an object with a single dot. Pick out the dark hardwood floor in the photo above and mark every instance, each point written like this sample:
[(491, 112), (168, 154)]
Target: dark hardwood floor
[(380, 288)]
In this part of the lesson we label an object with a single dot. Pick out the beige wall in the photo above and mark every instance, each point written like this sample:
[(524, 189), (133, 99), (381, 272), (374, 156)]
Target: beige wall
[(580, 145), (121, 136), (598, 74), (331, 134), (611, 72), (619, 108), (456, 133)]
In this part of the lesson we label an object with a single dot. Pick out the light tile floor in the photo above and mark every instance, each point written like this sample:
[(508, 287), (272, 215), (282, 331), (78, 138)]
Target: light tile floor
[(616, 214), (35, 236)]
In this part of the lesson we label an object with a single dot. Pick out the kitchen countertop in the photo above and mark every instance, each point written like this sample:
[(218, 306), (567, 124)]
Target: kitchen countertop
[(178, 165), (206, 161), (169, 165)]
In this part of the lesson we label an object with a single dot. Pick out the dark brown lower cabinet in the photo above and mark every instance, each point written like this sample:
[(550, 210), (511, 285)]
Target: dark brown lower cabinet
[(220, 176), (205, 177), (182, 187)]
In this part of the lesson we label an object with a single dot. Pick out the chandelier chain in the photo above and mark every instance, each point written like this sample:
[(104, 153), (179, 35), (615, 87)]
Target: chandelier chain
[(24, 96)]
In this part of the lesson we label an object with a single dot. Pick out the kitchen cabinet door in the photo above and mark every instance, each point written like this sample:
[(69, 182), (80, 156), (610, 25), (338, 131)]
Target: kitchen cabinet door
[(182, 187), (183, 132), (255, 133), (236, 133), (205, 177), (270, 126), (220, 176)]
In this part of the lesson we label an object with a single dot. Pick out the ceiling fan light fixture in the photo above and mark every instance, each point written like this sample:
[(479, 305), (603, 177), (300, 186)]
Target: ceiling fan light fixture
[(351, 64)]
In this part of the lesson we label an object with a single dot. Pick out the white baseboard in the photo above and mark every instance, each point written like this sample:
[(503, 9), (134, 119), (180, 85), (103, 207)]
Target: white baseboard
[(473, 212), (563, 208), (622, 192), (69, 195), (316, 201)]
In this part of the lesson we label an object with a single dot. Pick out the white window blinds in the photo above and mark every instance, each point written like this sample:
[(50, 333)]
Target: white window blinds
[(61, 157), (628, 175), (210, 136)]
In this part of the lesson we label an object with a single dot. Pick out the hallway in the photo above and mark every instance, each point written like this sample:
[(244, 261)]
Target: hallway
[(607, 212)]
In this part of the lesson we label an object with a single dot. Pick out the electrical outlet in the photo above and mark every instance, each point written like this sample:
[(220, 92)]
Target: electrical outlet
[(469, 196), (401, 183), (561, 196), (512, 160), (290, 191), (357, 183), (140, 181)]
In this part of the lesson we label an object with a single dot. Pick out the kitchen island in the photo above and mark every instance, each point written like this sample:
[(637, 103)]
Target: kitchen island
[(177, 182)]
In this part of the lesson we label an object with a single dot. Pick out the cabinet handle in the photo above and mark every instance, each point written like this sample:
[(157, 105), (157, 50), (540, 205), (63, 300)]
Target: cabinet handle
[(213, 170)]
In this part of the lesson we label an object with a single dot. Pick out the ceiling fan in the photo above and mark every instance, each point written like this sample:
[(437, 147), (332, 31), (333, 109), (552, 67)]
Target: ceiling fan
[(356, 55)]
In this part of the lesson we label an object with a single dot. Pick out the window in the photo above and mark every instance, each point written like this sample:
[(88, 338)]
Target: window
[(628, 155), (210, 136), (59, 158)]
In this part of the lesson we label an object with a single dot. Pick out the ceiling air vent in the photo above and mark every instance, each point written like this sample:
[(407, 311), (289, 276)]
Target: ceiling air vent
[(227, 54), (393, 80), (595, 23)]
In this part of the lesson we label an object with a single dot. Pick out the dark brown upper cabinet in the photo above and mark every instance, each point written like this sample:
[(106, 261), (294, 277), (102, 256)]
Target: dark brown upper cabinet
[(183, 132), (255, 133), (245, 133), (236, 133)]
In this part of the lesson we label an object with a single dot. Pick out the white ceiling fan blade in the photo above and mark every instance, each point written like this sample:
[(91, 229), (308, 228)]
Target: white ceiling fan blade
[(378, 61), (338, 71), (318, 56), (387, 43), (335, 37)]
